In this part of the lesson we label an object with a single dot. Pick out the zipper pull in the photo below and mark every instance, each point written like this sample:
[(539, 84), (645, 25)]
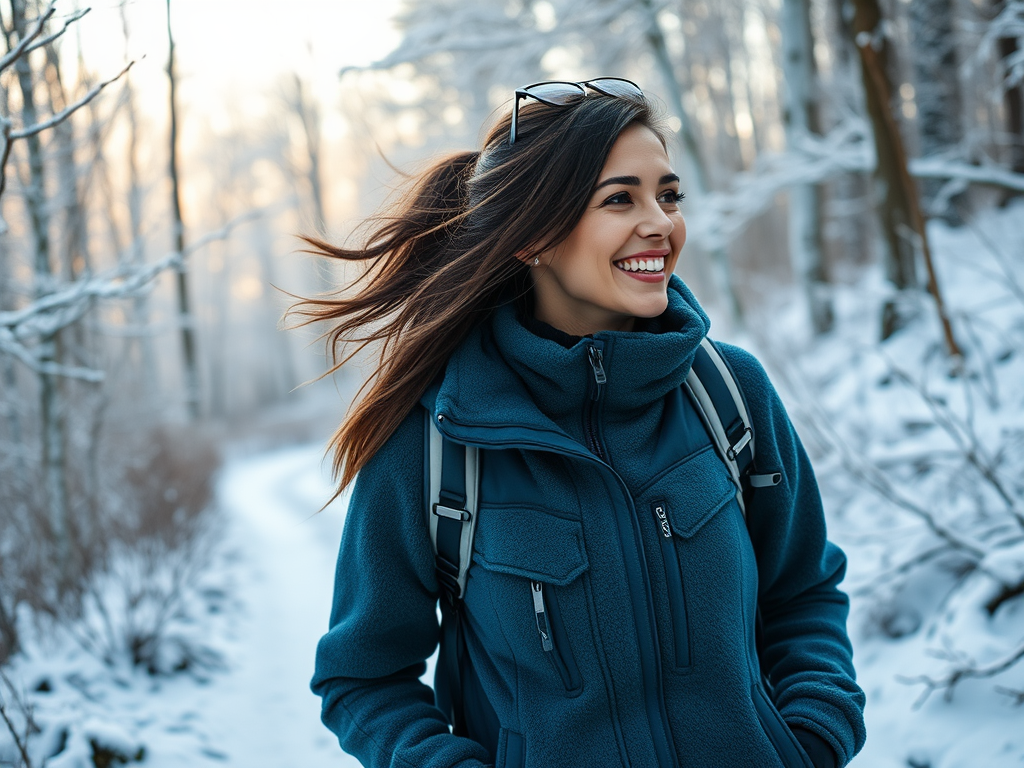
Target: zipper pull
[(542, 615), (597, 363), (659, 512)]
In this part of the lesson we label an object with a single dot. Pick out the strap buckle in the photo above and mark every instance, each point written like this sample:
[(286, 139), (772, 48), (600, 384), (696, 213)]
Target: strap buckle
[(450, 512), (739, 445)]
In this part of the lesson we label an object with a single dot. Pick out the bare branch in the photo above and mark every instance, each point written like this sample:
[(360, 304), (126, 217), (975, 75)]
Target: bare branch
[(934, 168), (23, 45), (949, 681), (963, 435), (10, 345), (49, 314), (26, 711), (50, 38), (65, 113), (922, 558)]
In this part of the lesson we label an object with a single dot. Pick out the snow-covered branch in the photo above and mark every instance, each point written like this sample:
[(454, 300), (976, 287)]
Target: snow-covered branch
[(22, 47), (938, 168), (65, 113), (722, 215), (49, 314), (958, 674)]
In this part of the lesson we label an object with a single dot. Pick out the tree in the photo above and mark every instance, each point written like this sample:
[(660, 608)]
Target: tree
[(185, 316), (801, 118), (936, 85), (898, 204)]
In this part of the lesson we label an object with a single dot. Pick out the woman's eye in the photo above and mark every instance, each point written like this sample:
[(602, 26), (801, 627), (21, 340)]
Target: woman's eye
[(672, 197), (620, 198)]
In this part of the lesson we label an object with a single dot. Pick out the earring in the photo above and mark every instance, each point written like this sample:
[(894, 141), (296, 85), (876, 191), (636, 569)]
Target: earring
[(536, 260)]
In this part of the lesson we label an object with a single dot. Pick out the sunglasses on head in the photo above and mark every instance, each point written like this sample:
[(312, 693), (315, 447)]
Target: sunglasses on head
[(558, 93)]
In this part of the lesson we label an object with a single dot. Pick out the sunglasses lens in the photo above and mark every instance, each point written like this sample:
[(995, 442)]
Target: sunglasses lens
[(556, 94), (614, 86)]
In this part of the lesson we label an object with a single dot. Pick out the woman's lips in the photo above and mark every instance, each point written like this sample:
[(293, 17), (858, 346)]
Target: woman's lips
[(645, 267)]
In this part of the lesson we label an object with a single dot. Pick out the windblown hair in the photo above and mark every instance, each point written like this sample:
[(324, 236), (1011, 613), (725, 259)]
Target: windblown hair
[(445, 254)]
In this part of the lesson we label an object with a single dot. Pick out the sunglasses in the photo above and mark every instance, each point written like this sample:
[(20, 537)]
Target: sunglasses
[(558, 93)]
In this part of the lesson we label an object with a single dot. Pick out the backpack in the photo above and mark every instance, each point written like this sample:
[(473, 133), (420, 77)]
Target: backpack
[(453, 481)]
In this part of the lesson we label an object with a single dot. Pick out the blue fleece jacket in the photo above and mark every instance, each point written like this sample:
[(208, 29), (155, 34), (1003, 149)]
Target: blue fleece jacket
[(605, 506)]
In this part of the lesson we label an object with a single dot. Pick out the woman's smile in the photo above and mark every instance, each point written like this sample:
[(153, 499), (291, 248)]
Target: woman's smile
[(648, 266)]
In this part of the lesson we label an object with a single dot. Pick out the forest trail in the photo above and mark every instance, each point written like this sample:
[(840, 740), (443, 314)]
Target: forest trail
[(261, 710)]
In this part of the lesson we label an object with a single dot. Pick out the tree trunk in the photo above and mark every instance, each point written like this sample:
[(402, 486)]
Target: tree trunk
[(694, 171), (185, 317), (937, 88), (801, 118), (51, 408), (902, 220), (1013, 100), (140, 304), (893, 198)]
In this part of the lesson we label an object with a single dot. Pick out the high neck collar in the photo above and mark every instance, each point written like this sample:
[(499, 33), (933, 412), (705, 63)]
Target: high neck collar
[(506, 374)]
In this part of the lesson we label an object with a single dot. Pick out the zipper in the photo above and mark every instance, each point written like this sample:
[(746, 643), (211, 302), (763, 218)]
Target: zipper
[(541, 614), (596, 359), (674, 586), (553, 638), (638, 579)]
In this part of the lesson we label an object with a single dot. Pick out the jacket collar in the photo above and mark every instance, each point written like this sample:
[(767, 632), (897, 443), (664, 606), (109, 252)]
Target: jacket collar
[(505, 379)]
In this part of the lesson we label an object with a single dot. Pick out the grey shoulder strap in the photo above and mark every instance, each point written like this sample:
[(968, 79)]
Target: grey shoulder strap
[(719, 401), (454, 487)]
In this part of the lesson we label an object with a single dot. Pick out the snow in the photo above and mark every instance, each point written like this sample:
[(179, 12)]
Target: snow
[(273, 575), (901, 439)]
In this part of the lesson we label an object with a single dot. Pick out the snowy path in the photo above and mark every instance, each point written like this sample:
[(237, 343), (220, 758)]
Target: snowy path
[(261, 713)]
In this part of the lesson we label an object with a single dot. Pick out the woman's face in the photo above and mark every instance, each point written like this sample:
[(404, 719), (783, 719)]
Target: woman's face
[(614, 265)]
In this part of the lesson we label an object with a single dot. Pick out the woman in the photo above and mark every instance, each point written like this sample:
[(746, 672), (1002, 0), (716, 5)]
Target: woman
[(526, 301)]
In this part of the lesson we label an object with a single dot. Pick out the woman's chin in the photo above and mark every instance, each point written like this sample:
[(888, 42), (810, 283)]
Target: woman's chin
[(651, 307)]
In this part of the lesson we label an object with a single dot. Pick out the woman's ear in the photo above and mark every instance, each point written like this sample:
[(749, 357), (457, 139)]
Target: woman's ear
[(529, 258)]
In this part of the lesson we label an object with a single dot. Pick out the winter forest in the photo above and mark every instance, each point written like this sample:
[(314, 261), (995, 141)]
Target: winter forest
[(854, 178)]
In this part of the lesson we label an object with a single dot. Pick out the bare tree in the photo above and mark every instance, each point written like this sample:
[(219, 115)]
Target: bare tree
[(899, 206), (937, 86), (185, 317), (805, 200)]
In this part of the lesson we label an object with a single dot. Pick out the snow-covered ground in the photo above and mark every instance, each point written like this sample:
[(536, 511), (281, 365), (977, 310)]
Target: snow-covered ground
[(271, 585)]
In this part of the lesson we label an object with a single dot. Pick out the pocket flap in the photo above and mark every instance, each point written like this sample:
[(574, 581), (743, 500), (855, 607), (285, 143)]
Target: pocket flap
[(695, 489), (530, 542)]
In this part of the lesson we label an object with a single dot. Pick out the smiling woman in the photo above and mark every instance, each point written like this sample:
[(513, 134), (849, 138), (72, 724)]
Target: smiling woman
[(534, 451)]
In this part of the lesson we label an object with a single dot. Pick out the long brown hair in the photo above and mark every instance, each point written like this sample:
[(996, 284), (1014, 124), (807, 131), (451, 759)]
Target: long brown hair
[(446, 254)]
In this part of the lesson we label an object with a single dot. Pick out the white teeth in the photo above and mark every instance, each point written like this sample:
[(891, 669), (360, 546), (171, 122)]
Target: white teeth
[(642, 265)]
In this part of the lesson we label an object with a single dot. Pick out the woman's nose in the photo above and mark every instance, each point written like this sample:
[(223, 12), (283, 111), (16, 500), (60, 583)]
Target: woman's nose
[(655, 223)]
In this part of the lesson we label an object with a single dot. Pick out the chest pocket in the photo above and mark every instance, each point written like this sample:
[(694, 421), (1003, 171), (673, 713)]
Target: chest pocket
[(532, 560), (683, 500)]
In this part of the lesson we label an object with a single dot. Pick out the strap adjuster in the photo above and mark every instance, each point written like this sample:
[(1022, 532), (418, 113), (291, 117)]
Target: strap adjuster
[(740, 444), (450, 512)]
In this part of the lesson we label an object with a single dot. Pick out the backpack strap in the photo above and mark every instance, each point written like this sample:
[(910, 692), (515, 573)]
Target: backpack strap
[(719, 401), (452, 508), (452, 501)]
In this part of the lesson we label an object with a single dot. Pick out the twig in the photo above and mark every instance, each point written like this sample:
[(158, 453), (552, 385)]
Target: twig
[(929, 168), (50, 38), (919, 559), (1016, 695), (26, 710), (949, 681), (54, 311), (23, 45), (65, 113), (963, 434)]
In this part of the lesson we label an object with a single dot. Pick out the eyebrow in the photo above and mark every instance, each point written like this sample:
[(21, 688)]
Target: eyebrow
[(634, 181)]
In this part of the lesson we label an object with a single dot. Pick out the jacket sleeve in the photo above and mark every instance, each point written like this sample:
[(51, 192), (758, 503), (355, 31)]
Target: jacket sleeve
[(384, 623), (806, 650)]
